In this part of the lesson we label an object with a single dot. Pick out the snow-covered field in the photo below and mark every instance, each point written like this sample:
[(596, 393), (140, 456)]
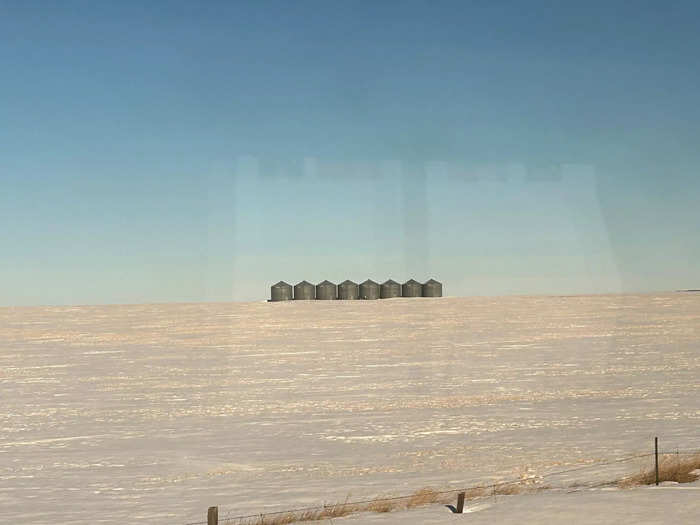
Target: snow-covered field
[(120, 414)]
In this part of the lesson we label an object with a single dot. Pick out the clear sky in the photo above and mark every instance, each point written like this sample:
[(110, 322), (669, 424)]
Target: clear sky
[(192, 151)]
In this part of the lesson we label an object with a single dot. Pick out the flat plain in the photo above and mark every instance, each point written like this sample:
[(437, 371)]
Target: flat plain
[(152, 413)]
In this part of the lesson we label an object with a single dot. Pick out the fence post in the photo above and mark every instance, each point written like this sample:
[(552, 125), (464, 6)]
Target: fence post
[(460, 502), (213, 516), (656, 459)]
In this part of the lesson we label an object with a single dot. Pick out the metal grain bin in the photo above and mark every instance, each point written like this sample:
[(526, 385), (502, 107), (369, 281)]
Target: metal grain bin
[(390, 289), (348, 290), (281, 292), (326, 291), (411, 288), (304, 291), (369, 290), (432, 288)]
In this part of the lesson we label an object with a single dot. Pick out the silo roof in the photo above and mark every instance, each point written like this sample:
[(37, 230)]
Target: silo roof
[(411, 281), (390, 281), (280, 284), (326, 283), (347, 282)]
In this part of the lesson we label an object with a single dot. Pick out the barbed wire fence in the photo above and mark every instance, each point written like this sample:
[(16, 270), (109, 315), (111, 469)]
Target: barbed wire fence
[(477, 492)]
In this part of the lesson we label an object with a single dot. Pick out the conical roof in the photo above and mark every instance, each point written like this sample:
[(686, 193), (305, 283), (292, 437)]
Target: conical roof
[(347, 282), (281, 284), (325, 283), (432, 288), (390, 282), (370, 281), (411, 281), (304, 291)]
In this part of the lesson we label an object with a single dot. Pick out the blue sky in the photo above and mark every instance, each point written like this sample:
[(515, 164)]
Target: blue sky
[(184, 151)]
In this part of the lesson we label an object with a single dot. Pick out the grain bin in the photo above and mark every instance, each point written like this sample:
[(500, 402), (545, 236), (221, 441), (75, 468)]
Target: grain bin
[(281, 292), (390, 289), (348, 290), (369, 290), (304, 291), (326, 291), (432, 288), (411, 288)]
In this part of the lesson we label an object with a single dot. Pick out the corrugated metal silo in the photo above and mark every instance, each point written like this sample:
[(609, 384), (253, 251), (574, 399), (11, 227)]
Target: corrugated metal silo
[(348, 290), (281, 292), (369, 290), (432, 288), (411, 288), (390, 289), (304, 291), (326, 291)]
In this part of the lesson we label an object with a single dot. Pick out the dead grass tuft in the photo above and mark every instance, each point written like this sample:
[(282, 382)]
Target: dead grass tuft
[(424, 496), (478, 492), (510, 489), (337, 510), (381, 506), (671, 468)]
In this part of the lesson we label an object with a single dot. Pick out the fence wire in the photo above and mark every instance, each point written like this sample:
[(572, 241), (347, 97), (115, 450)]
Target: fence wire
[(494, 486)]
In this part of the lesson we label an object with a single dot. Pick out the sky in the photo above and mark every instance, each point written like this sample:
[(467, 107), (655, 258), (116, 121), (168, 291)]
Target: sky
[(202, 151)]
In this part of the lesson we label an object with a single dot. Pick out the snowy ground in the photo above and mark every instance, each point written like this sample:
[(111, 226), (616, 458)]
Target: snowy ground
[(119, 414), (678, 504)]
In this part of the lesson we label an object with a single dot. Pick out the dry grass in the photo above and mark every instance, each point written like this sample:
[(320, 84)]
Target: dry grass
[(475, 493), (381, 506), (336, 510), (510, 489), (425, 496), (671, 468)]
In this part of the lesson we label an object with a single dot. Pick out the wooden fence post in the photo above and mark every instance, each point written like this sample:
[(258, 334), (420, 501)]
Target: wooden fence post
[(460, 503), (656, 458), (213, 516)]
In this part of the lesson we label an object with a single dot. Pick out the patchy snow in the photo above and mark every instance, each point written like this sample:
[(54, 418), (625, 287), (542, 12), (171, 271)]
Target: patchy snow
[(152, 413), (648, 506)]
